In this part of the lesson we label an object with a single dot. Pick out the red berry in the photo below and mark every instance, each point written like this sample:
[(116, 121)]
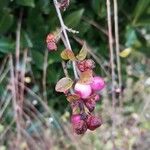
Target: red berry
[(50, 38), (93, 122), (90, 105)]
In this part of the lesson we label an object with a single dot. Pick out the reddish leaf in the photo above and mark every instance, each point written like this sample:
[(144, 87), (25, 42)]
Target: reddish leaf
[(86, 77)]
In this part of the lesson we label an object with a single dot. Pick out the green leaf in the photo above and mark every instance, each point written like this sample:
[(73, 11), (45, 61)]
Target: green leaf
[(131, 37), (29, 3), (83, 52), (74, 18), (141, 6), (38, 59), (64, 84), (26, 40), (6, 45), (6, 21)]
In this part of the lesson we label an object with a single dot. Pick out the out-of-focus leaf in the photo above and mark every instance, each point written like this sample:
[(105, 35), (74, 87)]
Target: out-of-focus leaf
[(29, 3), (86, 77), (64, 84), (6, 21), (99, 8), (131, 37), (67, 55), (38, 59), (1, 128), (74, 18), (126, 52), (83, 52), (26, 40), (2, 147), (6, 45), (140, 8)]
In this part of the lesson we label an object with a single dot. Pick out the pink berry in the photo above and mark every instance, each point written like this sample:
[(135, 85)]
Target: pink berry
[(52, 46), (79, 126), (97, 84), (93, 122), (83, 89), (75, 118)]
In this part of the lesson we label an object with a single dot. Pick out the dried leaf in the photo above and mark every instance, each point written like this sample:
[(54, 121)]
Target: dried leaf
[(83, 52), (67, 55), (86, 77), (64, 84), (73, 97)]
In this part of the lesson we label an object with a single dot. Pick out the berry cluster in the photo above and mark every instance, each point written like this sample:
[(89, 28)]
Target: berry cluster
[(82, 109), (83, 93)]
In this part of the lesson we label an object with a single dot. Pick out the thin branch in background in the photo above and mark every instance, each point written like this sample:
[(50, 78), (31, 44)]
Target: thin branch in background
[(3, 64), (68, 45), (14, 98), (112, 67), (45, 65), (117, 48), (22, 77), (18, 30), (96, 25)]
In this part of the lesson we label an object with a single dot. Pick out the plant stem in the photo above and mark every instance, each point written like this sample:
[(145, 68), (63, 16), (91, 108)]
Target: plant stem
[(45, 65), (117, 47), (112, 66), (68, 45)]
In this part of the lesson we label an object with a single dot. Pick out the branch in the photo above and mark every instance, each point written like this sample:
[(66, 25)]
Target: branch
[(112, 66), (65, 35), (117, 48)]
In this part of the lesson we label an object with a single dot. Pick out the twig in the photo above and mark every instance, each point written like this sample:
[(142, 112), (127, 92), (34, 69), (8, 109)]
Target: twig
[(112, 66), (18, 51), (22, 77), (3, 64), (65, 35), (117, 48), (14, 98), (44, 76)]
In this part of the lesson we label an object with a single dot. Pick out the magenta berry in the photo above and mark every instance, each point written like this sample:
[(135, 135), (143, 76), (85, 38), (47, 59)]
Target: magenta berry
[(52, 46), (93, 122), (79, 126), (83, 89), (97, 84)]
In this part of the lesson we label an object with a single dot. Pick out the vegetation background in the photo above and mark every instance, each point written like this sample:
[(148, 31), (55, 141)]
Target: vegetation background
[(24, 25)]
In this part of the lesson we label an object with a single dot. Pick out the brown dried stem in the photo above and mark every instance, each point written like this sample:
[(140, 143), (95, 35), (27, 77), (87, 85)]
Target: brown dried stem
[(112, 66)]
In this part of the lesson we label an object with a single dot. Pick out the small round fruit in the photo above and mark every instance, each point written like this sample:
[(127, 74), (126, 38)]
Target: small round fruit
[(83, 89), (97, 84)]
